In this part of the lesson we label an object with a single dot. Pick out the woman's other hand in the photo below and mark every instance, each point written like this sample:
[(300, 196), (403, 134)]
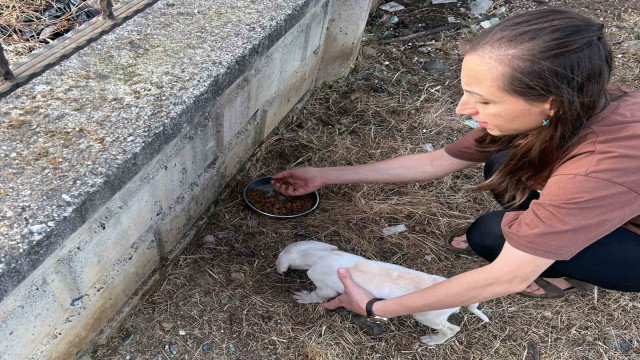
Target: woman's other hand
[(302, 181), (354, 297)]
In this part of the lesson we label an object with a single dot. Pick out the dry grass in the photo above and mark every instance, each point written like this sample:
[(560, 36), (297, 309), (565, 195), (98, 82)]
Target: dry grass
[(229, 295), (21, 23)]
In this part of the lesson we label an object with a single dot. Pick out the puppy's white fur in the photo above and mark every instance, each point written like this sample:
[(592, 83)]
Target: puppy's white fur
[(381, 279)]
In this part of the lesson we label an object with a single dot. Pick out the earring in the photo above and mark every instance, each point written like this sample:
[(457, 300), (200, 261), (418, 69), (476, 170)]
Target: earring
[(545, 122)]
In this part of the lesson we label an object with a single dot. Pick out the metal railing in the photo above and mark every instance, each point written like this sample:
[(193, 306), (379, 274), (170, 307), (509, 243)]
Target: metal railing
[(36, 63)]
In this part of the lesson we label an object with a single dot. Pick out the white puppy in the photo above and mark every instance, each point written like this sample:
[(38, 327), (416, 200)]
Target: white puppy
[(381, 279)]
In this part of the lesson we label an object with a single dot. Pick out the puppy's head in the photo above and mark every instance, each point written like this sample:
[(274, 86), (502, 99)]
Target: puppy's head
[(301, 255)]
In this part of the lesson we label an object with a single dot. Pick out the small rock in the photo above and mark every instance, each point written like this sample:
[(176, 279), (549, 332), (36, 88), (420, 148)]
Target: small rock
[(67, 198), (442, 1), (428, 258), (209, 240), (428, 147), (633, 46), (393, 230), (620, 345), (451, 19), (237, 276), (77, 302), (393, 20), (480, 6), (47, 32), (166, 325), (253, 223), (182, 332), (485, 24), (471, 123), (38, 229), (206, 347), (128, 357), (435, 67), (371, 328), (385, 18), (126, 339), (232, 349), (391, 7), (171, 348), (546, 314)]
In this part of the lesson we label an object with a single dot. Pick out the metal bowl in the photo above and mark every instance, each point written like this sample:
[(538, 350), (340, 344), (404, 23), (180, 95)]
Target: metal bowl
[(264, 183)]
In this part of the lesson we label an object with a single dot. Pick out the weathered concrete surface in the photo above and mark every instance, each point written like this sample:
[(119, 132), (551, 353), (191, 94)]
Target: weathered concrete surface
[(109, 159), (344, 34)]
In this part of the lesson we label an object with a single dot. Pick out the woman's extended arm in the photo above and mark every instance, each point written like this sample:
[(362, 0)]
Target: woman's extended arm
[(416, 167), (511, 272)]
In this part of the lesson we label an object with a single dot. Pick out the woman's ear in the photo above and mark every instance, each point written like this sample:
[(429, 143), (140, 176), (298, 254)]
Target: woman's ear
[(550, 107)]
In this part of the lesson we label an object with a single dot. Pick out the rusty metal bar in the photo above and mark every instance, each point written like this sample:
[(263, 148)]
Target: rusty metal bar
[(106, 6), (4, 66)]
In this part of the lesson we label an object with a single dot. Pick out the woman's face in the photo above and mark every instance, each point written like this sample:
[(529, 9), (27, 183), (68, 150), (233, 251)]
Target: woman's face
[(497, 111)]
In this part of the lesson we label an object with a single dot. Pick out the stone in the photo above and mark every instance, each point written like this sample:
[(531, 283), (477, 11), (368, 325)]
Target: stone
[(471, 123), (166, 325), (209, 240), (207, 347), (393, 230), (171, 348), (371, 329), (47, 32), (253, 223), (632, 46), (237, 276), (443, 1), (478, 7), (38, 229), (620, 345), (391, 7), (435, 67), (126, 339)]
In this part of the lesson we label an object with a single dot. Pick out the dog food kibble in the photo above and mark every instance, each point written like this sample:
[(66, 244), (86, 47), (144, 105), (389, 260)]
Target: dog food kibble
[(271, 204)]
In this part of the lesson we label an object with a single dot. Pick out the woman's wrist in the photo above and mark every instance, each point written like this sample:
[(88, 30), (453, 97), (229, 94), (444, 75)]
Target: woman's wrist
[(379, 308)]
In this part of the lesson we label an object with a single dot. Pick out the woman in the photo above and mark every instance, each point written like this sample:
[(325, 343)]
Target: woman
[(561, 154)]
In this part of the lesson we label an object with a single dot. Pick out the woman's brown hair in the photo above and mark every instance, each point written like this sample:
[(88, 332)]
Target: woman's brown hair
[(552, 54)]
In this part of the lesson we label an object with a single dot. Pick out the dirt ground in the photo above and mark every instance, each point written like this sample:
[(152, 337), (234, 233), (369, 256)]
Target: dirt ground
[(223, 299)]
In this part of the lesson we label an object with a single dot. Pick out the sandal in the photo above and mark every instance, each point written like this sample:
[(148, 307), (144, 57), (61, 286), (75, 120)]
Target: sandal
[(553, 292), (453, 234)]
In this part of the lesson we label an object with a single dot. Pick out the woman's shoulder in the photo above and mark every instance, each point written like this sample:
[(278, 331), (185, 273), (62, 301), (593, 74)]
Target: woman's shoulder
[(609, 147), (623, 109)]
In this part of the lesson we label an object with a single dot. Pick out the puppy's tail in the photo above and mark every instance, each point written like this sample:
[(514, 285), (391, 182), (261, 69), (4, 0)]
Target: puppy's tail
[(474, 309)]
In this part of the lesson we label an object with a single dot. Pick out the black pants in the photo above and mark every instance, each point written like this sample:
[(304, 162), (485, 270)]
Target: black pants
[(612, 262)]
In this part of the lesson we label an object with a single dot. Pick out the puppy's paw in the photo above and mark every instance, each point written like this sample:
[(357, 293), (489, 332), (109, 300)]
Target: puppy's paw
[(306, 297), (432, 339)]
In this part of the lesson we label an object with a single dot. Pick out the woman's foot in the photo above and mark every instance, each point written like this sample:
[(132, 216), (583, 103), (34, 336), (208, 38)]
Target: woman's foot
[(460, 242)]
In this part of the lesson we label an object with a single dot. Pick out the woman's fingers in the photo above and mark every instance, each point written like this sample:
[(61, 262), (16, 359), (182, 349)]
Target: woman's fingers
[(333, 304), (354, 297)]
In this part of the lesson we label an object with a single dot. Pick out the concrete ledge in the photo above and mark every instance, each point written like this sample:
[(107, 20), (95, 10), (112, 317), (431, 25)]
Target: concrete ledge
[(110, 158)]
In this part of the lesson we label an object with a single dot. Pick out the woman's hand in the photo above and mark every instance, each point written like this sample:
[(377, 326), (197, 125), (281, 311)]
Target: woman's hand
[(354, 297), (303, 181)]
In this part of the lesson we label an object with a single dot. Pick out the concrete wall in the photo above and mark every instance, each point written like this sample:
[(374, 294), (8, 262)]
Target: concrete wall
[(99, 269)]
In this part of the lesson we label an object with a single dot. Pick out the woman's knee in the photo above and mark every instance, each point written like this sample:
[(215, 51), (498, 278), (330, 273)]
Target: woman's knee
[(485, 235)]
